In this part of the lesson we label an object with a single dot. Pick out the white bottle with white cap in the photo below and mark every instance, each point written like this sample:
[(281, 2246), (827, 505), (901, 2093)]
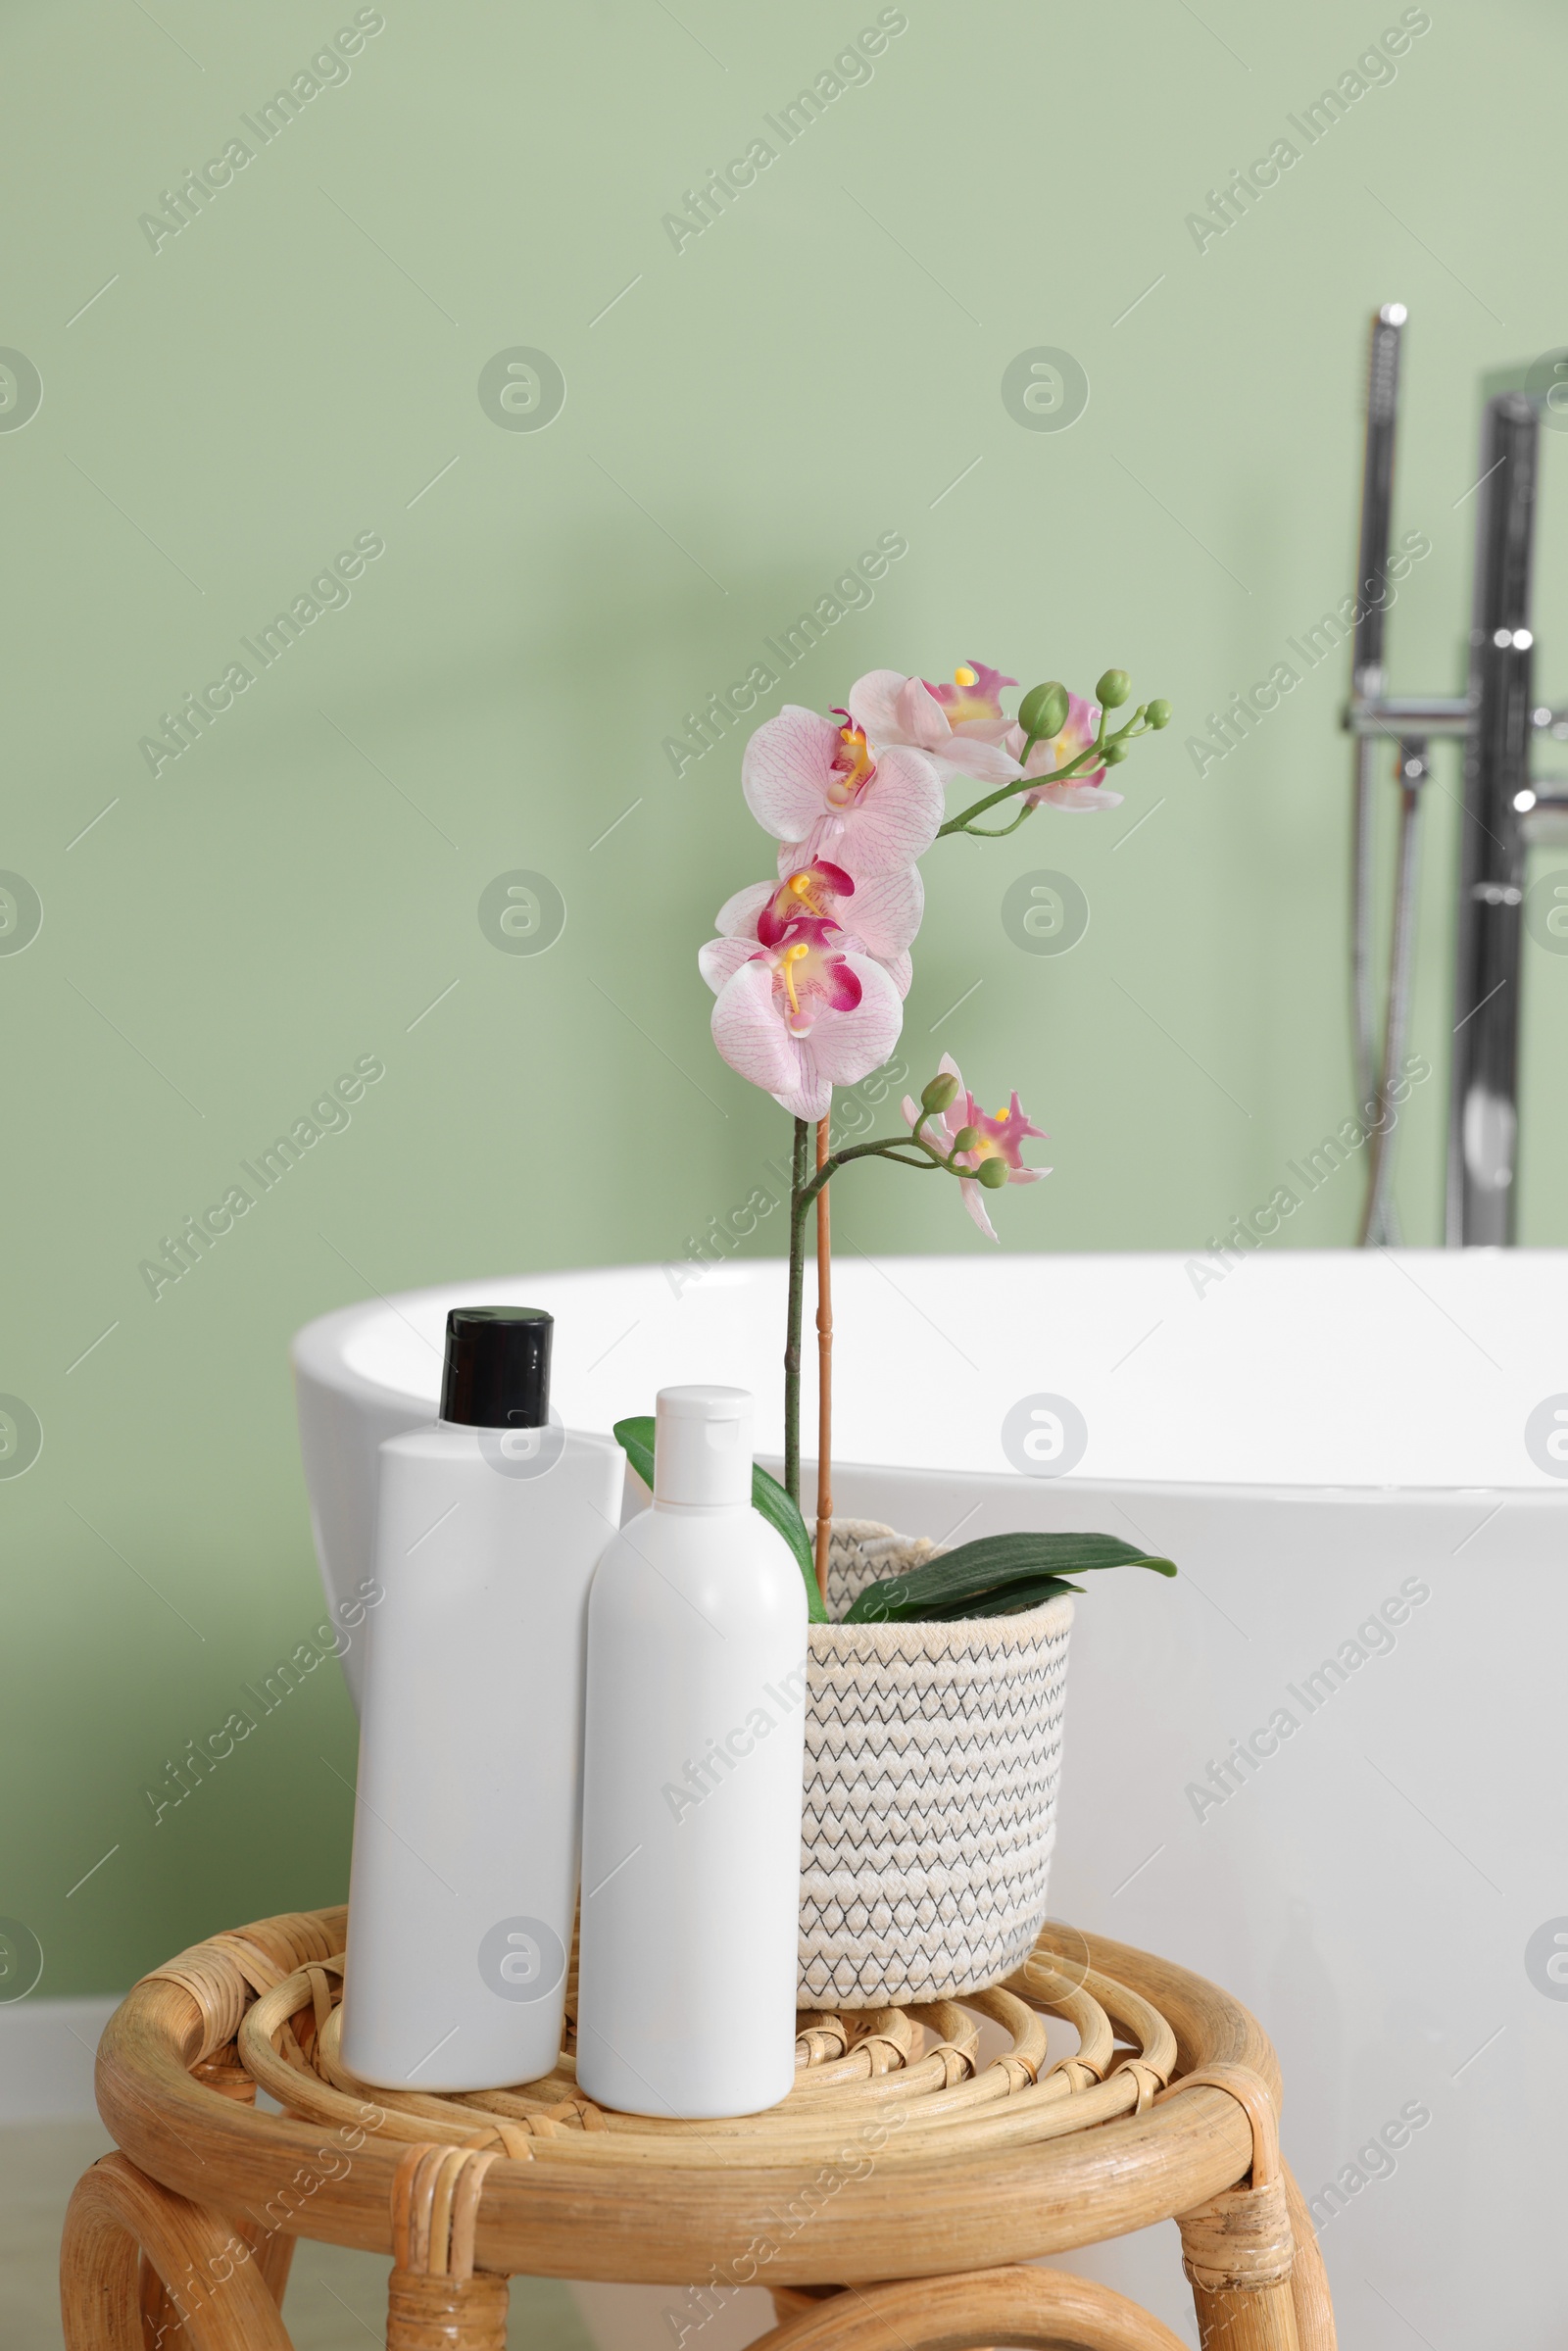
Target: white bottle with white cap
[(693, 1758)]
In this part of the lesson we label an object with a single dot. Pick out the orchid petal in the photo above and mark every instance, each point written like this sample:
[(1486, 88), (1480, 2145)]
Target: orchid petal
[(1077, 795), (976, 694), (974, 1202), (786, 771), (739, 913), (810, 1097), (754, 1042), (721, 959), (843, 984), (981, 762), (873, 704), (891, 709), (895, 819), (920, 716), (885, 911), (737, 916), (845, 1047), (844, 1043), (985, 731)]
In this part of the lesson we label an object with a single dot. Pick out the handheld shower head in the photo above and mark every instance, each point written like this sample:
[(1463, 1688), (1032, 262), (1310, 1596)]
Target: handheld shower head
[(1377, 496)]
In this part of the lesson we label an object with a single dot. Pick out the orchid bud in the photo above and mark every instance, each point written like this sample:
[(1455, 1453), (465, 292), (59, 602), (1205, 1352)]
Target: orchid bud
[(1043, 710), (1113, 753), (941, 1091), (993, 1173), (1113, 689), (1159, 713), (966, 1139)]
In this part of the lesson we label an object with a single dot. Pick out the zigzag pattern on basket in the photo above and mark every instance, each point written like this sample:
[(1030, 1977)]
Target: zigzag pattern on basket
[(933, 1753)]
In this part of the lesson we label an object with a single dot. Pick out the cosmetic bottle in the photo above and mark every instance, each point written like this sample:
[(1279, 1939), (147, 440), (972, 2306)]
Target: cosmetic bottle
[(692, 1772), (467, 1815)]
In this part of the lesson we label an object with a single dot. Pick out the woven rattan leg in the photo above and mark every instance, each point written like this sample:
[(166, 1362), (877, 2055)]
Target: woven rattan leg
[(159, 2316), (274, 2252), (218, 2298), (1038, 2310), (1246, 2319), (445, 2314), (1238, 2249), (436, 2300), (1237, 2253), (1314, 2312), (159, 2312)]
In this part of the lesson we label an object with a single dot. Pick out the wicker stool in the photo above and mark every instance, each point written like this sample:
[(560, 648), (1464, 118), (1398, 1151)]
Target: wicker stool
[(900, 2153)]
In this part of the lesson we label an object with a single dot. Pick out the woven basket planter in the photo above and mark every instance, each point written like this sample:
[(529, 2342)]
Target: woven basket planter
[(932, 1756)]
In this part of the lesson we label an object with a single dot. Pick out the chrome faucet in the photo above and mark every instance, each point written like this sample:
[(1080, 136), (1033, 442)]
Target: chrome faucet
[(1503, 810)]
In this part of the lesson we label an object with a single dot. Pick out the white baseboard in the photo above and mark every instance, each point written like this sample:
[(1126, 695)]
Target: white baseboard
[(46, 2056)]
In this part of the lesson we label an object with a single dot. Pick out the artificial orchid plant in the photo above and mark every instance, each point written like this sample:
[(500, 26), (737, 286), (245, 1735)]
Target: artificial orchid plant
[(810, 973)]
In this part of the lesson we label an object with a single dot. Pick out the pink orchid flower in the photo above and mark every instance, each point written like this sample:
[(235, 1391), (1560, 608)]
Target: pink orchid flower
[(1080, 791), (960, 728), (810, 1012), (1001, 1138), (825, 790), (879, 914)]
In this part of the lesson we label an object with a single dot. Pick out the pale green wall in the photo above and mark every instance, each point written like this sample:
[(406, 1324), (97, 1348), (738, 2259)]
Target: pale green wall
[(755, 411)]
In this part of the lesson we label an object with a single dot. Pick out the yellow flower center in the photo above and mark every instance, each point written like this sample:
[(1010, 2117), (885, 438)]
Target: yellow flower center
[(853, 766), (966, 705), (791, 956)]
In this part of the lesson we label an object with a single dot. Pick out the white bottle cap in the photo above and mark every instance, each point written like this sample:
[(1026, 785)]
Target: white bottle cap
[(702, 1446)]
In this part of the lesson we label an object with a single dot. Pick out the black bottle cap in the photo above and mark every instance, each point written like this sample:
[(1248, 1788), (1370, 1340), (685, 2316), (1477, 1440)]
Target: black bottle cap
[(497, 1372)]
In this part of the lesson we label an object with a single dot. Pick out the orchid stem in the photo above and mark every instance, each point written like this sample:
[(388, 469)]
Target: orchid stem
[(962, 823), (791, 1343), (891, 1147), (999, 832), (805, 1188), (824, 1366)]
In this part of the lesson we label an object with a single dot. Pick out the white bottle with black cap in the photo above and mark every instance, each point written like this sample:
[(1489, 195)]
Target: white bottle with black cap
[(467, 1815), (695, 1735)]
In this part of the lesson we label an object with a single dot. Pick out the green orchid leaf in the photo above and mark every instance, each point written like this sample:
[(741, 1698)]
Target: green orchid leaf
[(1008, 1599), (635, 1437), (1013, 1599), (781, 1513), (983, 1577)]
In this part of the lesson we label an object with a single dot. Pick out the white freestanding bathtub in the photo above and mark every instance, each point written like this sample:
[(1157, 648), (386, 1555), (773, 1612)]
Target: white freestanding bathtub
[(1361, 1462)]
